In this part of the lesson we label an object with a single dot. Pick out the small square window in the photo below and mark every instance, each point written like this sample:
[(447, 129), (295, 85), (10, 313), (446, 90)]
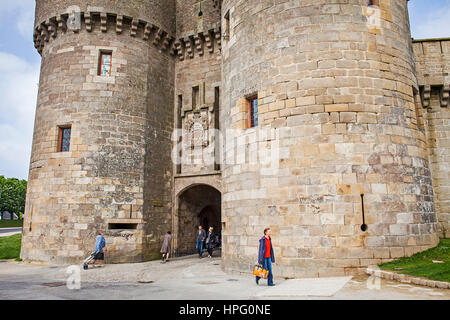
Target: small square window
[(64, 139), (252, 112), (105, 64)]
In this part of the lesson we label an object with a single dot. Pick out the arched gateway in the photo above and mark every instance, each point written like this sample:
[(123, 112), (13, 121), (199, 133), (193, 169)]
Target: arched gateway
[(196, 205)]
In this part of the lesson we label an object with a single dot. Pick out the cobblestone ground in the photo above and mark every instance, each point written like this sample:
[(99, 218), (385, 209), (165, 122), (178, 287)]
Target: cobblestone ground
[(189, 278)]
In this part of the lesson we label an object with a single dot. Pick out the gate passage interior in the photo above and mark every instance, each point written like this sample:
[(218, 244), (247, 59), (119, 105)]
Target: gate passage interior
[(197, 205)]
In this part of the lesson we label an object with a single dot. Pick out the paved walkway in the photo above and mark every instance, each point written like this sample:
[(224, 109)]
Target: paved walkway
[(191, 278)]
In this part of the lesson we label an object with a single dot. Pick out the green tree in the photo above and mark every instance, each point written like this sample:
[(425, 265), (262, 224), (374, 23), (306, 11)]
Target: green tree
[(12, 195)]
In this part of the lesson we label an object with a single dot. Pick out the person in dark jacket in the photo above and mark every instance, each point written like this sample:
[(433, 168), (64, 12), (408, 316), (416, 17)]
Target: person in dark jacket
[(218, 242), (210, 241), (266, 256), (201, 236), (100, 245)]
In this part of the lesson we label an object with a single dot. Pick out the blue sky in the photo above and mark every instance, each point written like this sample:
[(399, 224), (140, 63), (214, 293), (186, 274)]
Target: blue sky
[(20, 62)]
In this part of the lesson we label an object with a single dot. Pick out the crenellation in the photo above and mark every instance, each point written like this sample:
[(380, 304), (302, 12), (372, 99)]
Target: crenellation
[(209, 41), (198, 42), (147, 30), (158, 35), (60, 20), (103, 21), (49, 27), (119, 24), (166, 43), (88, 21), (179, 48), (188, 43), (134, 27), (445, 95)]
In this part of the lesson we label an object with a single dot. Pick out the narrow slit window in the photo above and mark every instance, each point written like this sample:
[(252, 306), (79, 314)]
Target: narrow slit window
[(418, 108), (227, 26), (64, 139), (253, 112), (105, 64), (195, 97)]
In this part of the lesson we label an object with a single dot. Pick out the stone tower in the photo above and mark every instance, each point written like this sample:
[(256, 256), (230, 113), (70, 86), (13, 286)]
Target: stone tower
[(106, 88), (336, 82)]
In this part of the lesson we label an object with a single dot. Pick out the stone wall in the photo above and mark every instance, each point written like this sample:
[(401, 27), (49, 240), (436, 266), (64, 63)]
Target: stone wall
[(198, 150), (335, 80), (190, 21), (158, 12), (433, 68)]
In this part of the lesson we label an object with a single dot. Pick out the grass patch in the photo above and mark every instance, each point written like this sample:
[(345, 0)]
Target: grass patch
[(421, 264), (11, 223), (10, 246)]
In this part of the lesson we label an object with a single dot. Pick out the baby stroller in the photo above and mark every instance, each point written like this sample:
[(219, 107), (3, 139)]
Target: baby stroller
[(88, 260)]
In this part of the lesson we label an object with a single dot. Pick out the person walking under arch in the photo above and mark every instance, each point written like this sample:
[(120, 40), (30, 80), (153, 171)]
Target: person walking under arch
[(210, 241), (201, 236), (266, 256)]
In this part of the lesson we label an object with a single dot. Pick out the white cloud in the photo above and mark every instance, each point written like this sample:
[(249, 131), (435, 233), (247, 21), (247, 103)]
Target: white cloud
[(25, 23), (431, 23), (18, 92), (24, 11)]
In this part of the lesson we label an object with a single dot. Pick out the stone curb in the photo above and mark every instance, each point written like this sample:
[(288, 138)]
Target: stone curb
[(404, 278)]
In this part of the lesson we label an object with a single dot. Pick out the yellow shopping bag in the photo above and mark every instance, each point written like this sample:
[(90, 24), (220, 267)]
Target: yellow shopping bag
[(259, 271)]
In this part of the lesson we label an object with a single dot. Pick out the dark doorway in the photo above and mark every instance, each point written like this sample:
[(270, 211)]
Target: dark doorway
[(198, 205), (210, 217)]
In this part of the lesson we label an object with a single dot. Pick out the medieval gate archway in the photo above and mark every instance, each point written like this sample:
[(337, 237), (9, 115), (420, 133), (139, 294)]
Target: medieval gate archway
[(197, 205)]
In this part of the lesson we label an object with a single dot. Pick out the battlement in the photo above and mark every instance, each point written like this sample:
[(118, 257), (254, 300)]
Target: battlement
[(105, 21), (432, 57), (196, 44), (188, 46)]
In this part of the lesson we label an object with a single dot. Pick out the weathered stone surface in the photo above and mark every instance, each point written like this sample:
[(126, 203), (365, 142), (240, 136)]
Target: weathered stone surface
[(338, 90), (366, 141)]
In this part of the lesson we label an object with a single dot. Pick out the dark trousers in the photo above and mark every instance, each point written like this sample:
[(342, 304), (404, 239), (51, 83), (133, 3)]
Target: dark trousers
[(199, 247), (267, 264)]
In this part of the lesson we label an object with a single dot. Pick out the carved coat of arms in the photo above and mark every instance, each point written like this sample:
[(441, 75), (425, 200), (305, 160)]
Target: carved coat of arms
[(196, 130)]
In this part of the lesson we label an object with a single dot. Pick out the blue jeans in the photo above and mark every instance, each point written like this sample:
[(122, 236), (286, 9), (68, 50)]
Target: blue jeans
[(267, 264), (199, 247)]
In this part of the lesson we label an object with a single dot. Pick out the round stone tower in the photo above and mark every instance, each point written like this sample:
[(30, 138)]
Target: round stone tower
[(344, 180), (101, 147)]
